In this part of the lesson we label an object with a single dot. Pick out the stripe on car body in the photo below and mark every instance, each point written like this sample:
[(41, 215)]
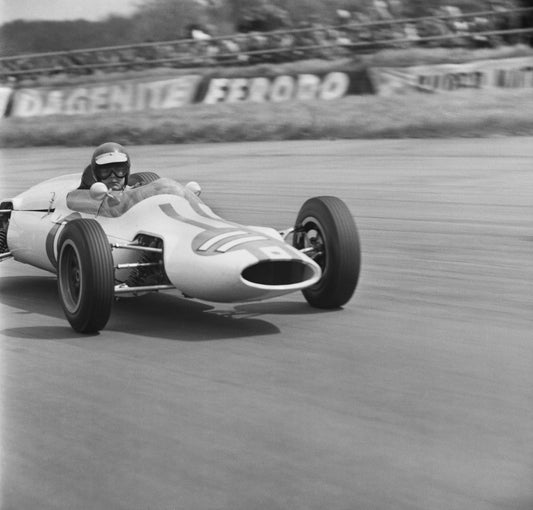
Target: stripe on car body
[(220, 237), (236, 242)]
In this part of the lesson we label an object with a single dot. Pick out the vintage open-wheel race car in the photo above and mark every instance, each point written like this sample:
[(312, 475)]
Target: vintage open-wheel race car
[(158, 235)]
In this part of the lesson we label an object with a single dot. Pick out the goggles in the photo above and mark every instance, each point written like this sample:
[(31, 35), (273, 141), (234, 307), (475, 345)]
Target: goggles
[(105, 171)]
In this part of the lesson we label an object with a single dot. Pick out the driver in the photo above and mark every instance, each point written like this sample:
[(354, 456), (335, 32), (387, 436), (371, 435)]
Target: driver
[(110, 164)]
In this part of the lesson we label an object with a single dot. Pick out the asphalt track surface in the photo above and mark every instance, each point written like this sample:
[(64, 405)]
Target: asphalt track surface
[(417, 395)]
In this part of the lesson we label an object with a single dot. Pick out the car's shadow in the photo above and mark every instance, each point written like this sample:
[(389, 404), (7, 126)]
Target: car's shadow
[(281, 308), (162, 315)]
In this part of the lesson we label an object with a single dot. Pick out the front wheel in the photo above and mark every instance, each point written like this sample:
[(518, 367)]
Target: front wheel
[(326, 231), (85, 275)]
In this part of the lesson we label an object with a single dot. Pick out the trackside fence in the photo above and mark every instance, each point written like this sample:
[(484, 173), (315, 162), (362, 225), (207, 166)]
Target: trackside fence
[(479, 29)]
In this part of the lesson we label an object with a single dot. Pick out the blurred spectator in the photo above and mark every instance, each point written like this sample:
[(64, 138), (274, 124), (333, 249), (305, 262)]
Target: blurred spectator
[(198, 33), (432, 27), (506, 19), (343, 16), (477, 27), (264, 18), (363, 31), (411, 32), (396, 8), (382, 10)]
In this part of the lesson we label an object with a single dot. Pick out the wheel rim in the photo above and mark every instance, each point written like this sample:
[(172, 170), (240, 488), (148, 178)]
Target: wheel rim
[(314, 240), (70, 277)]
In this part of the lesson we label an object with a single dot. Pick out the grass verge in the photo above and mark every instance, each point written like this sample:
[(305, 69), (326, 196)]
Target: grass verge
[(466, 113)]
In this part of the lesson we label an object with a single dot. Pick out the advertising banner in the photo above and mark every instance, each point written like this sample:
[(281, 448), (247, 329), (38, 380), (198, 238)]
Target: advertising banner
[(285, 87), (113, 96), (510, 73), (143, 94)]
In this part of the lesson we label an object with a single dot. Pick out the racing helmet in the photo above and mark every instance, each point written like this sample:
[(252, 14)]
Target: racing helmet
[(110, 157)]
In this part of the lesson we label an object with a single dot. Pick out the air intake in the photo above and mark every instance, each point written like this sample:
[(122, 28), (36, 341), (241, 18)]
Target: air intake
[(278, 272)]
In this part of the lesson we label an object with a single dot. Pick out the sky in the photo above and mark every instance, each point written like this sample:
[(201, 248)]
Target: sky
[(64, 9)]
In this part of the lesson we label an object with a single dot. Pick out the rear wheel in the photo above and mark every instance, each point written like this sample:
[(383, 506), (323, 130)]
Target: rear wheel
[(325, 229), (85, 275)]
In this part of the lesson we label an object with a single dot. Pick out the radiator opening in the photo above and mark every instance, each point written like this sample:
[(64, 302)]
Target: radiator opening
[(278, 272)]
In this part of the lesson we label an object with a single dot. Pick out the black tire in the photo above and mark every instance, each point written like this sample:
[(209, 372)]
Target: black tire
[(142, 178), (85, 275), (4, 223), (326, 224)]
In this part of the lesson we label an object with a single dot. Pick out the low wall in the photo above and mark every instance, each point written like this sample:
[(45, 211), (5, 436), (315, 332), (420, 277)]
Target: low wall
[(144, 92), (509, 73)]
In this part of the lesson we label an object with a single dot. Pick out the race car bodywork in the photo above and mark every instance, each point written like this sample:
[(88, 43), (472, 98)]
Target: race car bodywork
[(159, 235)]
